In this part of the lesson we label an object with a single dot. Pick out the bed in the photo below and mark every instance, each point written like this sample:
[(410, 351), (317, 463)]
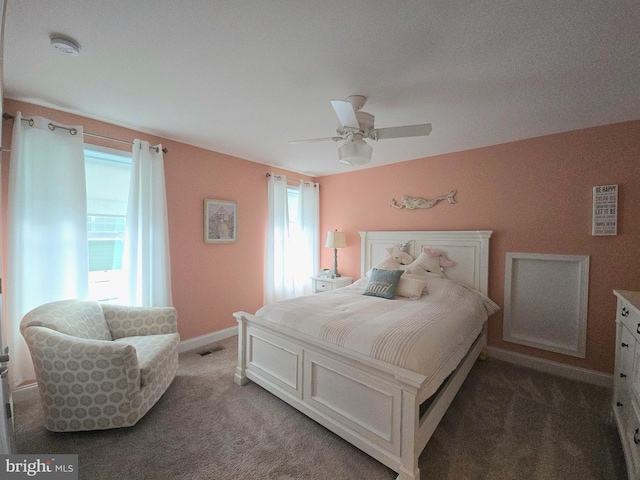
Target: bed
[(374, 390)]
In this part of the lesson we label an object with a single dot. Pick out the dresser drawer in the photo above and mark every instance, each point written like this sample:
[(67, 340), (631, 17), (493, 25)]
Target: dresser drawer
[(632, 441), (323, 286), (635, 374), (624, 373), (630, 316)]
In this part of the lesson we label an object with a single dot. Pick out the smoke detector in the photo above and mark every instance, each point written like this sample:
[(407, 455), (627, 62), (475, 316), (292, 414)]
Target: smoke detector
[(65, 45)]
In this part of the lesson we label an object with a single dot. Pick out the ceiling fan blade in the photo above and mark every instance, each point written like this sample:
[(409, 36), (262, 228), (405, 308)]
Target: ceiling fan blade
[(323, 139), (400, 132), (346, 114)]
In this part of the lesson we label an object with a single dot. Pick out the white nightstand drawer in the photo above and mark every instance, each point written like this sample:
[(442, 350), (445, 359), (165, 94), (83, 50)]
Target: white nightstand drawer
[(324, 284)]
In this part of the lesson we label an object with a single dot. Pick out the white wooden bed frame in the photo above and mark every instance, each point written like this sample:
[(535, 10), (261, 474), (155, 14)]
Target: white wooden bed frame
[(373, 405)]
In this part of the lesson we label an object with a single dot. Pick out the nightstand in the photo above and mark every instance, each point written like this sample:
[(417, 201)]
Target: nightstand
[(325, 284)]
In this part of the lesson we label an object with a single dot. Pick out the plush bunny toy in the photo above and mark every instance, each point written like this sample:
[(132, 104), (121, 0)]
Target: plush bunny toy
[(431, 260), (399, 253), (442, 256)]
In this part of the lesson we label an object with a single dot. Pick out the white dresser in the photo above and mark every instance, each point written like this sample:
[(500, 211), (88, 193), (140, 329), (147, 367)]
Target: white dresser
[(626, 386), (324, 284)]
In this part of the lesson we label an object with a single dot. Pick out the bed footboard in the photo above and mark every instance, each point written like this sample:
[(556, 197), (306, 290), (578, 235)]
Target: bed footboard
[(375, 410), (323, 386)]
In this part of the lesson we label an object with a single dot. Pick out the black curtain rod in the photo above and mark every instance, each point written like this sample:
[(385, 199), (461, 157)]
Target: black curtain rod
[(73, 131), (292, 181)]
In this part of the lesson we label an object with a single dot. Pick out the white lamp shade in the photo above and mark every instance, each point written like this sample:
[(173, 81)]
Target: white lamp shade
[(355, 152), (336, 240)]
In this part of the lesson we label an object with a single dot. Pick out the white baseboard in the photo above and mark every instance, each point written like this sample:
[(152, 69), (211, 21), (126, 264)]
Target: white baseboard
[(20, 394), (208, 339), (555, 368)]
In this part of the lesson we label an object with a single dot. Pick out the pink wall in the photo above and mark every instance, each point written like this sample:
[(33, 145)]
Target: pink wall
[(209, 281), (536, 196)]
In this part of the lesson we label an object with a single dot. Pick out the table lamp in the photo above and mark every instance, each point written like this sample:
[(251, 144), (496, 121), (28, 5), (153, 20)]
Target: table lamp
[(335, 240)]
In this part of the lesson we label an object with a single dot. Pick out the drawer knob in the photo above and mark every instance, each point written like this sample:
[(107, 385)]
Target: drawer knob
[(618, 404), (636, 440), (625, 345), (622, 375), (625, 311)]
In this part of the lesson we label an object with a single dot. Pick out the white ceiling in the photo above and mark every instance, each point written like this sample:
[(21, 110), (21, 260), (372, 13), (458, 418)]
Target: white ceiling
[(246, 77)]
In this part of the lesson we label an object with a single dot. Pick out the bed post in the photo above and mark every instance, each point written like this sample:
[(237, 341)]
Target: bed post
[(240, 378), (409, 469)]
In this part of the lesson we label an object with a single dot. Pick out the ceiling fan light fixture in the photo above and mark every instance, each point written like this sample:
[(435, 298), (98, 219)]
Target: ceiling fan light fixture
[(355, 151)]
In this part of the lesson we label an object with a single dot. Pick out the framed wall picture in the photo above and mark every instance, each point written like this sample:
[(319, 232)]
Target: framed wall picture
[(220, 221), (605, 210)]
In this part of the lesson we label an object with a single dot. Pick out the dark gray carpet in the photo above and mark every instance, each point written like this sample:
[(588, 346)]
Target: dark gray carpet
[(506, 422)]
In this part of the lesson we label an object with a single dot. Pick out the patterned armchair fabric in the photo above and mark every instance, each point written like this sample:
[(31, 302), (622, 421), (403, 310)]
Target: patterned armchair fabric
[(100, 366)]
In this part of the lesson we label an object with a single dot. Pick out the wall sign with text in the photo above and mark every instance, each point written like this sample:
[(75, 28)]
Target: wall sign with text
[(605, 210)]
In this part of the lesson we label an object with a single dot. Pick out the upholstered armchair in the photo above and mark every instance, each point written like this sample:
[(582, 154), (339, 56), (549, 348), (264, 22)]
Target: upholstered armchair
[(100, 366)]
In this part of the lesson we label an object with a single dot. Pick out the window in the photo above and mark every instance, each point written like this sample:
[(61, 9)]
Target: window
[(297, 244), (293, 196), (107, 173)]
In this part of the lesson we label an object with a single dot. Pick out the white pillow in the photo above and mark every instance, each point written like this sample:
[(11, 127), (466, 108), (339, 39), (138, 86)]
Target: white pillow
[(411, 287)]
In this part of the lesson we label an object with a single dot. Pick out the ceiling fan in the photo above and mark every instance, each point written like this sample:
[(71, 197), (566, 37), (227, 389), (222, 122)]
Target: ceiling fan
[(356, 125)]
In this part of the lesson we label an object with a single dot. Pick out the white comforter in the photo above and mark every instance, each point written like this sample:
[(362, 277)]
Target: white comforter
[(429, 336)]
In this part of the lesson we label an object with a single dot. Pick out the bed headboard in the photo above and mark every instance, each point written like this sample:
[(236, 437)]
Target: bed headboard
[(469, 250)]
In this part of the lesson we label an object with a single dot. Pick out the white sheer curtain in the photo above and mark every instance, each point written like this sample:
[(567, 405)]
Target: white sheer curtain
[(146, 258), (278, 281), (308, 242), (47, 251), (292, 250)]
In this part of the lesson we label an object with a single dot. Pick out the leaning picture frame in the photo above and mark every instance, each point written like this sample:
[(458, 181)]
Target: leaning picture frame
[(220, 221)]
